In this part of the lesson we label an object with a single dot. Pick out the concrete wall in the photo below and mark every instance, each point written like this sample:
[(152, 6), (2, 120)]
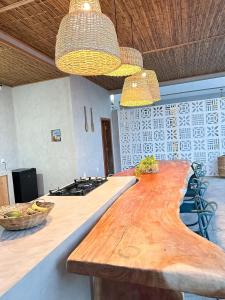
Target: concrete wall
[(40, 108), (8, 143), (89, 151)]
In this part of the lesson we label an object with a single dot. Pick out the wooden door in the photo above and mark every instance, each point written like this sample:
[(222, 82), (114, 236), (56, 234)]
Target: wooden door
[(4, 194), (107, 146)]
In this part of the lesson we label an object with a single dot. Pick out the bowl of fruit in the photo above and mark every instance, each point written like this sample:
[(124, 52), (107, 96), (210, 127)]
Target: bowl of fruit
[(147, 165), (24, 215)]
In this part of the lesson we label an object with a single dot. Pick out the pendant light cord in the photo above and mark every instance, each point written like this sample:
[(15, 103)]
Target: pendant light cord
[(132, 33)]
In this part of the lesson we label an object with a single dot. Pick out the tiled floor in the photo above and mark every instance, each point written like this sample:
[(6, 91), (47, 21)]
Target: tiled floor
[(215, 192)]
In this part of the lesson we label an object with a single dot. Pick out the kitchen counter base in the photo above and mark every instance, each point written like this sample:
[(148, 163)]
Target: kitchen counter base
[(33, 261), (113, 290)]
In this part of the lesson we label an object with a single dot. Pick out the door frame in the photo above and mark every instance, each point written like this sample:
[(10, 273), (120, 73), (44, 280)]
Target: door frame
[(110, 125)]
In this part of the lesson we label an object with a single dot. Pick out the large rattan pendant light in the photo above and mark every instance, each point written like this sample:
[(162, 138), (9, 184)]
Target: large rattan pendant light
[(87, 43), (131, 59), (136, 91)]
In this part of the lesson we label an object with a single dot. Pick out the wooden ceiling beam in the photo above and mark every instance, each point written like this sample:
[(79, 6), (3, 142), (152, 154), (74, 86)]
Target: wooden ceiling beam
[(25, 49), (15, 5)]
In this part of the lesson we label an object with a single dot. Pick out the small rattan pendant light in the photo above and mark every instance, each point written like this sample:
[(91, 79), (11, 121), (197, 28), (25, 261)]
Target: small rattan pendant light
[(154, 85), (131, 62), (136, 91), (131, 58), (87, 43)]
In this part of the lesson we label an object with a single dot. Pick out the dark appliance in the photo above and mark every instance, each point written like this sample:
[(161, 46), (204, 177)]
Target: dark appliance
[(80, 187), (25, 185)]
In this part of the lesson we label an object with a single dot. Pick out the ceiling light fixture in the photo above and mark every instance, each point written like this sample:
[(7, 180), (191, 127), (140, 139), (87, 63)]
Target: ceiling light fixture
[(131, 62), (136, 91), (154, 85), (112, 99), (131, 59), (87, 43), (76, 5), (87, 6)]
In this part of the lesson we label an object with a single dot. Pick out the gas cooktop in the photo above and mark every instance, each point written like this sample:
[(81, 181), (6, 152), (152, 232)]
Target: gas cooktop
[(80, 187)]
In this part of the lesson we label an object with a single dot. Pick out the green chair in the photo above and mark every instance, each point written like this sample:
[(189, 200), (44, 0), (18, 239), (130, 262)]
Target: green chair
[(205, 216), (198, 169), (195, 203), (197, 187)]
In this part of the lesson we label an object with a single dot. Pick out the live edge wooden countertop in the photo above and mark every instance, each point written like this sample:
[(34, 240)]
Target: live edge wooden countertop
[(142, 240)]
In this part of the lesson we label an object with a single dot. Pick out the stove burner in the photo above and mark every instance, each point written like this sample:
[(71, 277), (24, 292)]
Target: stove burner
[(80, 187)]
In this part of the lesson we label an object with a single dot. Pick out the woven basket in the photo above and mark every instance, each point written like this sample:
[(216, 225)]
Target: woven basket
[(24, 222), (221, 166)]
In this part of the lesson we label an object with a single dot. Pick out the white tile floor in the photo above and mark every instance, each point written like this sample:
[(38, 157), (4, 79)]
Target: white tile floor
[(215, 192)]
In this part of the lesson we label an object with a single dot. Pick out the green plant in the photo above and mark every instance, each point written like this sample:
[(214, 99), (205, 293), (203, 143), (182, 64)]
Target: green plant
[(147, 165)]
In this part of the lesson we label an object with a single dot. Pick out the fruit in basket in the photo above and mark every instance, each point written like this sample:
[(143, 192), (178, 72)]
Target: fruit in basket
[(30, 211), (38, 208), (147, 165), (13, 214)]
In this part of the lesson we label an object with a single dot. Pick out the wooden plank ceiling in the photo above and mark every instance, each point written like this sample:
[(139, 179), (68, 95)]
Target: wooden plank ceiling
[(178, 38), (17, 68)]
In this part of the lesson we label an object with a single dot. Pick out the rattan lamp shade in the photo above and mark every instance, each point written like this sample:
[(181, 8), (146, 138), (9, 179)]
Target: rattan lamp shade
[(154, 85), (136, 91), (87, 43), (92, 5), (131, 62)]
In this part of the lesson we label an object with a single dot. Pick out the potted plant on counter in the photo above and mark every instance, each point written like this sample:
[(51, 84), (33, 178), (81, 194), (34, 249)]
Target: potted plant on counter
[(147, 165)]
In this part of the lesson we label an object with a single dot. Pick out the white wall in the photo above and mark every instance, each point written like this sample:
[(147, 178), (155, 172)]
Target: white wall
[(8, 144), (89, 151), (116, 141), (39, 108), (54, 104), (28, 114)]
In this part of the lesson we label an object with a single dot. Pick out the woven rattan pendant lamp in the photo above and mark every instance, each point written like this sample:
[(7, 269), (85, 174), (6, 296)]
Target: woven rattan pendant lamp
[(87, 43), (131, 59), (136, 91), (131, 62), (154, 85)]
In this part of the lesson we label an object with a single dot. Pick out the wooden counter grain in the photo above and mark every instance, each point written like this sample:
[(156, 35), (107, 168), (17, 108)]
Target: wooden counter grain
[(141, 240)]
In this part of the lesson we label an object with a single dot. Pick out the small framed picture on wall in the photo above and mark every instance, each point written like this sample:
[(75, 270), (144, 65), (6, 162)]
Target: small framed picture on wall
[(56, 135)]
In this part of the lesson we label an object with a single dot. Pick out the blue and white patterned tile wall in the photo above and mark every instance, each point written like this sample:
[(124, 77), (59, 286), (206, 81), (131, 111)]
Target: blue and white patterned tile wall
[(192, 130)]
